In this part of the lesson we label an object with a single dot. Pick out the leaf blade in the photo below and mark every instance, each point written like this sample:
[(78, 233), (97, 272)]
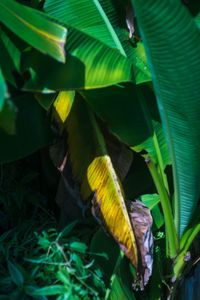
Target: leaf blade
[(34, 29), (92, 167), (177, 93)]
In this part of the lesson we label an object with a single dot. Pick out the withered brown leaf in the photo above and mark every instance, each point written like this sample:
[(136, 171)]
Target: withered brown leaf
[(141, 221)]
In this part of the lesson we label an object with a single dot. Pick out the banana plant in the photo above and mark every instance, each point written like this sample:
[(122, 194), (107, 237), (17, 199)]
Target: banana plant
[(127, 67)]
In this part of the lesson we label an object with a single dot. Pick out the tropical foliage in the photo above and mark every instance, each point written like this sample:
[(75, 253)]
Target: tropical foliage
[(114, 87)]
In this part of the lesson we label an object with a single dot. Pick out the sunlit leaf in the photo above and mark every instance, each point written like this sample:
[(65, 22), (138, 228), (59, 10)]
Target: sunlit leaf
[(37, 31), (97, 65), (104, 25), (62, 106), (92, 167)]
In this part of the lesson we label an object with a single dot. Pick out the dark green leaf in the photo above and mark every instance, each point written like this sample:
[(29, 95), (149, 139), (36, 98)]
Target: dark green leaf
[(32, 130), (104, 25), (67, 230), (117, 277), (127, 109), (45, 100), (15, 274), (173, 52), (8, 117), (102, 243)]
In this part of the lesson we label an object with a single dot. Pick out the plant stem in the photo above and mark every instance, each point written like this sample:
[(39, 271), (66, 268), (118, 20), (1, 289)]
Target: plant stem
[(160, 162), (166, 206)]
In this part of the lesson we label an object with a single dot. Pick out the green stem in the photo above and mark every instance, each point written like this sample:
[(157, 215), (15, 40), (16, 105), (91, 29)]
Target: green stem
[(160, 162), (166, 206), (186, 242)]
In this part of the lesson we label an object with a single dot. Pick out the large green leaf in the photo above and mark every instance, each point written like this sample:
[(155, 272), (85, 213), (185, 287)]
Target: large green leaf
[(134, 120), (36, 30), (93, 169), (101, 19), (123, 108), (89, 64), (32, 129), (172, 44)]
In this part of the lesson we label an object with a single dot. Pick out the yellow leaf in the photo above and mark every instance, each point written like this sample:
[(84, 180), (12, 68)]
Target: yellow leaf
[(93, 169), (62, 106)]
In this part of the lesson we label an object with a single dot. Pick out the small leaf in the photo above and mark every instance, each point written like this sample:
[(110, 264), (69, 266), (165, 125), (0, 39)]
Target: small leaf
[(45, 100), (150, 200), (49, 291), (78, 264), (15, 274), (62, 106), (65, 232), (78, 246)]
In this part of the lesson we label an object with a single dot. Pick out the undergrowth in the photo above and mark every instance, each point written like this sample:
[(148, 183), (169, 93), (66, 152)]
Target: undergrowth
[(38, 261)]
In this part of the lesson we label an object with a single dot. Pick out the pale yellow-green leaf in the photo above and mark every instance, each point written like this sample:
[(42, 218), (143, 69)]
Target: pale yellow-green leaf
[(62, 106)]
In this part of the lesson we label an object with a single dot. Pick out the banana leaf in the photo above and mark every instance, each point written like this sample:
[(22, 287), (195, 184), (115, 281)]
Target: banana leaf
[(172, 43), (131, 113), (93, 169), (101, 20), (28, 128), (34, 29)]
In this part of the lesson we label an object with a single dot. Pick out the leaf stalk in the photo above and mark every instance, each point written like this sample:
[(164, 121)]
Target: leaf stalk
[(166, 206)]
